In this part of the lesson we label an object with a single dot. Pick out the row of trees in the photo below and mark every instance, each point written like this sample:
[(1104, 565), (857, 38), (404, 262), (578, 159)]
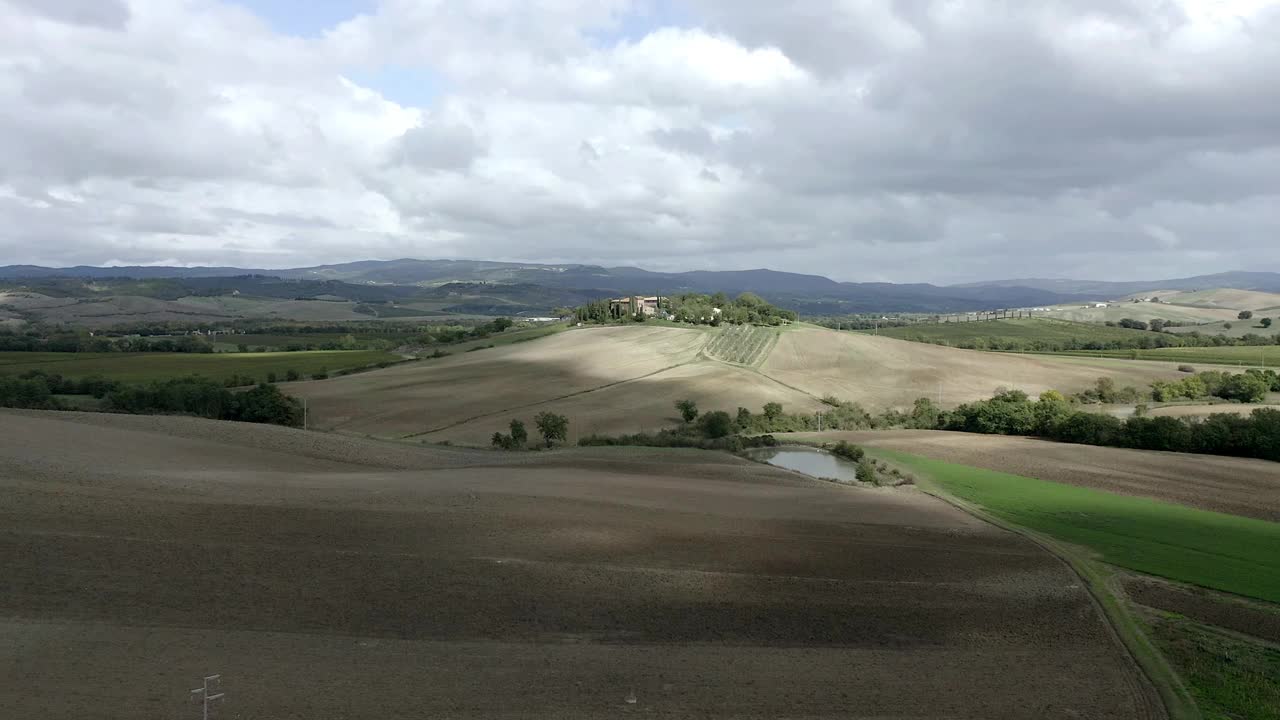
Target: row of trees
[(37, 341), (1011, 412), (199, 396)]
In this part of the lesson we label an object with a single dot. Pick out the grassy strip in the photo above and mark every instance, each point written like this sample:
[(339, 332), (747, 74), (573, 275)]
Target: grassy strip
[(1239, 355), (1215, 550), (1017, 330), (145, 367), (1229, 677), (1097, 577)]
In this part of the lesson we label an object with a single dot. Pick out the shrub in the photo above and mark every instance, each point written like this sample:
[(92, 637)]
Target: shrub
[(866, 471), (320, 376), (848, 451), (292, 375), (1186, 369)]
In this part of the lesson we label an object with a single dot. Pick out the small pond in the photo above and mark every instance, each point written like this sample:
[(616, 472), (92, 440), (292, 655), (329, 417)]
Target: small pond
[(807, 460)]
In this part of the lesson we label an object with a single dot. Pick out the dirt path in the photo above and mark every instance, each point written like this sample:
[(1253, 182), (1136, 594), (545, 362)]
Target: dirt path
[(333, 577)]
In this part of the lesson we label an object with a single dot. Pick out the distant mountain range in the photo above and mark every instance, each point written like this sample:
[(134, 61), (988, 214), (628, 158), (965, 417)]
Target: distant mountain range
[(809, 294)]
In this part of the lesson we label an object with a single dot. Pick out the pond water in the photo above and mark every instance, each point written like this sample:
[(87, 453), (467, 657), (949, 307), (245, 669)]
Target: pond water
[(810, 461)]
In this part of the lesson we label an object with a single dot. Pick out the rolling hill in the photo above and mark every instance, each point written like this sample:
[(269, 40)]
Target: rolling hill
[(618, 379)]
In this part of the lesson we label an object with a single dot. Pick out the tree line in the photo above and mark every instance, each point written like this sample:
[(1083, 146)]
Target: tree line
[(693, 308), (1053, 416), (195, 395)]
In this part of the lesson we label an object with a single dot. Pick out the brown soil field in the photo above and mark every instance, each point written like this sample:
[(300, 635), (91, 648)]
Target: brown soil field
[(334, 577), (431, 395), (881, 372), (621, 379), (1240, 486), (1256, 619), (645, 404)]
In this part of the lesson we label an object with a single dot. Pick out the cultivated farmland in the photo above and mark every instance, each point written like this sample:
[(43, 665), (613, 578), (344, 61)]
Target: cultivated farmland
[(335, 577), (1239, 355), (742, 344), (992, 333), (142, 367), (1215, 550), (1240, 486), (626, 378), (882, 372)]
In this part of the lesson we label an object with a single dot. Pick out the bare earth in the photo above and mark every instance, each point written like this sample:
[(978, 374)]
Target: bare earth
[(625, 379), (331, 577), (1240, 486), (882, 372)]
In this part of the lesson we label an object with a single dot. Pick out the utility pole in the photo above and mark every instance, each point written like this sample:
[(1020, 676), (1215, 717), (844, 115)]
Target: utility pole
[(206, 696)]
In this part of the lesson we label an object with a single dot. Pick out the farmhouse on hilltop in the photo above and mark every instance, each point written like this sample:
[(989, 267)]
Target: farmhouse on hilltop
[(634, 305)]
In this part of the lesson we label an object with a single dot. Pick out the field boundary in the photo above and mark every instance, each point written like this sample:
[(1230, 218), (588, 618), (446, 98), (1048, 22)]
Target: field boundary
[(1161, 680)]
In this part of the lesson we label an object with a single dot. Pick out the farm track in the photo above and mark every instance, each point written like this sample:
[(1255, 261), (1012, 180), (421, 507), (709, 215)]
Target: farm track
[(318, 572)]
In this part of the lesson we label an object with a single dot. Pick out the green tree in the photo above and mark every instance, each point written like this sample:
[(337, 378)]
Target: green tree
[(773, 410), (1266, 322), (924, 415), (688, 410), (1245, 388), (519, 436), (1244, 315), (553, 427), (716, 424)]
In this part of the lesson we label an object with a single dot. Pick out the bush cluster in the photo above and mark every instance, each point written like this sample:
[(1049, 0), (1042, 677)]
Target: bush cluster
[(681, 438)]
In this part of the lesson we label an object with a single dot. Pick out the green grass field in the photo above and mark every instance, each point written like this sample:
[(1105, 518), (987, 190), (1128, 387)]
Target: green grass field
[(1229, 677), (142, 367), (1223, 552), (1242, 355), (992, 333)]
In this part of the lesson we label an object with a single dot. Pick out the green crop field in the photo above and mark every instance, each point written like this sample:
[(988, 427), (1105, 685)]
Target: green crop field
[(1244, 355), (993, 333), (1215, 550), (742, 344), (141, 367)]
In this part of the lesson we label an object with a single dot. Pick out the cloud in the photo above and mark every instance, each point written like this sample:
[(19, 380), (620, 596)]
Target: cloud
[(439, 147), (108, 14), (912, 141)]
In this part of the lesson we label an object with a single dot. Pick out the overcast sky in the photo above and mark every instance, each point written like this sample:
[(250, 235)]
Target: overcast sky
[(928, 141)]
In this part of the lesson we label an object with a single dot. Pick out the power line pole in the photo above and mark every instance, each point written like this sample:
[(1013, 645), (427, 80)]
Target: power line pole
[(204, 692)]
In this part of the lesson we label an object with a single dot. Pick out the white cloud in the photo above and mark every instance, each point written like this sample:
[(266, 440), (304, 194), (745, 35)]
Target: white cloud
[(855, 138)]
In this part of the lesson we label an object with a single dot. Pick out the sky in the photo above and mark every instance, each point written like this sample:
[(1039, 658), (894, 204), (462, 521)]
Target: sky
[(934, 141)]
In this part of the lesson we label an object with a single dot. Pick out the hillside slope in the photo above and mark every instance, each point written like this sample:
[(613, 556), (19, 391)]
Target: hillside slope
[(622, 379), (331, 577), (882, 372)]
